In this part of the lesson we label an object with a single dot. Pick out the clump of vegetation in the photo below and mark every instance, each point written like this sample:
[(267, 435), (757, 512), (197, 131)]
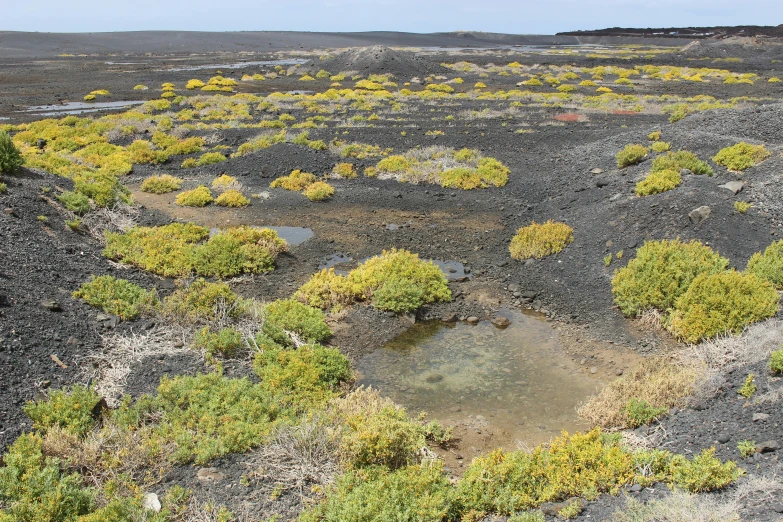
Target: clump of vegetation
[(10, 157), (3, 188), (344, 171), (161, 184), (290, 315), (631, 155), (225, 182), (661, 146), (741, 156), (769, 264), (655, 385), (776, 362), (226, 342), (297, 180), (397, 280), (70, 409), (210, 158), (77, 203), (722, 302), (180, 249), (198, 302), (748, 388), (660, 273), (679, 160), (654, 136), (232, 198), (118, 297), (658, 181), (742, 206), (746, 448), (318, 191), (200, 196), (539, 240)]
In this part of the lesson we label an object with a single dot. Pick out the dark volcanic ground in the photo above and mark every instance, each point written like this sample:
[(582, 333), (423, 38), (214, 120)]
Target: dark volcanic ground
[(42, 262)]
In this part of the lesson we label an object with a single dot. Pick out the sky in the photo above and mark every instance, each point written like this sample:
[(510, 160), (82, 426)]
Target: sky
[(502, 16)]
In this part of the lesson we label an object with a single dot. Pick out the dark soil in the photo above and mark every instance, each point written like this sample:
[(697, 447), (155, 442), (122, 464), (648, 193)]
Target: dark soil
[(43, 261)]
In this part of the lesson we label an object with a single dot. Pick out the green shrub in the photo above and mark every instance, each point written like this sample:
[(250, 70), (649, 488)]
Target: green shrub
[(661, 146), (198, 197), (297, 180), (10, 158), (210, 158), (641, 412), (303, 378), (69, 408), (232, 198), (741, 156), (660, 273), (746, 448), (679, 160), (748, 388), (33, 489), (654, 136), (776, 362), (290, 315), (318, 191), (117, 296), (226, 342), (398, 296), (394, 164), (769, 265), (540, 240), (77, 203), (722, 302), (631, 155), (658, 181), (198, 302), (420, 493), (161, 184), (742, 206), (104, 189), (704, 472), (574, 507), (531, 516), (3, 188)]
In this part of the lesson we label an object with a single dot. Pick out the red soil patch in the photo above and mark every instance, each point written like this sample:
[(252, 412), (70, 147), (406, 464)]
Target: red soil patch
[(570, 116)]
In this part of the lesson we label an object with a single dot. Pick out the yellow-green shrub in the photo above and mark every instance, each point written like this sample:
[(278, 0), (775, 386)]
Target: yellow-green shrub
[(776, 362), (289, 315), (723, 302), (539, 240), (344, 170), (224, 182), (226, 342), (77, 203), (10, 157), (327, 290), (196, 303), (657, 182), (197, 197), (769, 265), (661, 146), (210, 158), (117, 296), (318, 191), (681, 159), (741, 156), (161, 184), (742, 206), (631, 155), (660, 273), (232, 198), (68, 408), (297, 180)]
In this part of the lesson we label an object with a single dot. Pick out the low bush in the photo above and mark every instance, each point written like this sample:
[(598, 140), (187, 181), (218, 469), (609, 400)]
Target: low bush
[(411, 494), (661, 146), (539, 240), (631, 155), (327, 290), (654, 136), (318, 191), (226, 342), (232, 199), (10, 157), (769, 264), (679, 160), (197, 197), (199, 302), (289, 315), (655, 385), (77, 203), (297, 180), (703, 473), (776, 362), (344, 171), (746, 448), (210, 158), (657, 182), (723, 302), (69, 408), (748, 388), (742, 206), (660, 273), (117, 296), (741, 156), (161, 184), (224, 182)]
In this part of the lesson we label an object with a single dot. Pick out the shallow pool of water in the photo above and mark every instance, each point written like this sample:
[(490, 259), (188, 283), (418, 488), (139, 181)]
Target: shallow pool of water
[(238, 65), (343, 263), (292, 235), (80, 107), (518, 378)]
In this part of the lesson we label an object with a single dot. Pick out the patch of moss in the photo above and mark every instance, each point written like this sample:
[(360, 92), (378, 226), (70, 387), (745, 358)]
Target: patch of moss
[(117, 296), (631, 155), (657, 182), (539, 240), (741, 156)]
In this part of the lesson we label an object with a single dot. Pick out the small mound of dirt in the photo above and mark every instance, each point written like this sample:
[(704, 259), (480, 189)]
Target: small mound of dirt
[(383, 60)]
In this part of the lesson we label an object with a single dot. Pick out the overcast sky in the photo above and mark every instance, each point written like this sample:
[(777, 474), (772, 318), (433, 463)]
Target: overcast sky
[(505, 16)]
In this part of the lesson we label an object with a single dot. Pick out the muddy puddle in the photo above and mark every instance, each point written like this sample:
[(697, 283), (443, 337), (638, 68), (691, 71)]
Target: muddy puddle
[(79, 107), (517, 380)]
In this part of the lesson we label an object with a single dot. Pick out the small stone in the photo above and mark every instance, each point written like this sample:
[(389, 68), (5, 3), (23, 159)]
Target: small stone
[(9, 212), (758, 417), (435, 377), (52, 305), (636, 488), (698, 215), (619, 372), (102, 317), (768, 446), (602, 182), (473, 319), (73, 341), (594, 369), (513, 287), (449, 318), (178, 344), (723, 439), (209, 475), (411, 318), (501, 322), (597, 171), (529, 294), (734, 186), (685, 172), (777, 508), (151, 502)]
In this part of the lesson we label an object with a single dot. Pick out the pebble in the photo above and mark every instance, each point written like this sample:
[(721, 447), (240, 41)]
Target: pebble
[(501, 322), (594, 369), (767, 446), (758, 417), (473, 319), (619, 372), (151, 502), (636, 488), (210, 475), (723, 439)]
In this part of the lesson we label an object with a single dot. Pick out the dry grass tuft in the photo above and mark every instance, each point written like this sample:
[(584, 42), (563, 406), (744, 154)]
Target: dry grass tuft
[(656, 380)]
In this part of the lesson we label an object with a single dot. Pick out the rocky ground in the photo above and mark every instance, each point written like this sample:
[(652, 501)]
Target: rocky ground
[(564, 170)]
